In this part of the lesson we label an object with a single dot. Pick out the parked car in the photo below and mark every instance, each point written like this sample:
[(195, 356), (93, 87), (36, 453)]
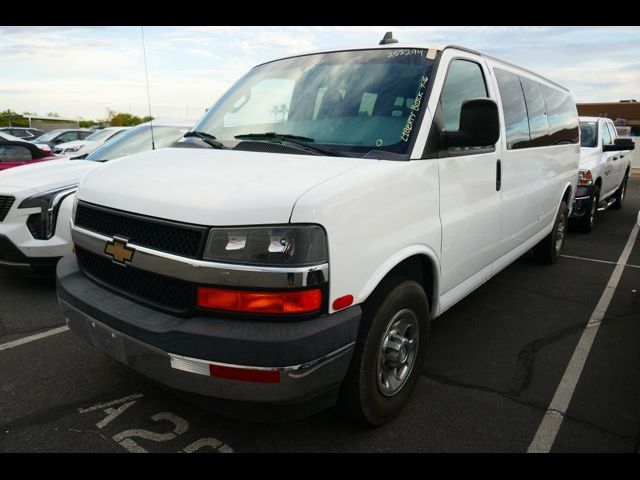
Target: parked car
[(15, 152), (78, 148), (333, 204), (35, 201), (63, 135), (23, 133), (605, 163)]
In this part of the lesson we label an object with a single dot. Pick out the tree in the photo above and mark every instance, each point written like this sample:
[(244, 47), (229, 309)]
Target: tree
[(125, 120), (53, 115), (147, 119), (8, 111)]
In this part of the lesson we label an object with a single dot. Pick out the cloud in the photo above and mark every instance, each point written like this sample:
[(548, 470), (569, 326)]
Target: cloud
[(80, 71)]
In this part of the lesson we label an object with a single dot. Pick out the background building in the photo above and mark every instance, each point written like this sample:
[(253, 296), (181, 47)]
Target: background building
[(46, 124)]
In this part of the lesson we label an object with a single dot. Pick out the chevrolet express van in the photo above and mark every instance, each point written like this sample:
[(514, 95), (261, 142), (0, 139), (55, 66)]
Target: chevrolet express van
[(329, 206)]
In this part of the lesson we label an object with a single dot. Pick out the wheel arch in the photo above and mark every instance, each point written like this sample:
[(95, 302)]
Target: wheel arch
[(420, 263)]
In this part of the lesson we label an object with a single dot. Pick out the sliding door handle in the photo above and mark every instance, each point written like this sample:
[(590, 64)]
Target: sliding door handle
[(498, 175)]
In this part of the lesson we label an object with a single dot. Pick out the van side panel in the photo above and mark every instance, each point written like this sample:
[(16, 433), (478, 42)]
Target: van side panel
[(534, 178)]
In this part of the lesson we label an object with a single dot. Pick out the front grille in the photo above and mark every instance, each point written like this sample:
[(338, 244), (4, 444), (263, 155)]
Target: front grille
[(5, 206), (180, 239), (146, 287)]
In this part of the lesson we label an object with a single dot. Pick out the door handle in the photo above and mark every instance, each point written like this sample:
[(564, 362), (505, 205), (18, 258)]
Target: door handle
[(498, 175), (621, 156), (615, 158)]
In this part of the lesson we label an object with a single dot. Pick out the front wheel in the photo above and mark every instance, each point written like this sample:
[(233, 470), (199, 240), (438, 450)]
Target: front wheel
[(588, 220), (549, 249), (389, 354)]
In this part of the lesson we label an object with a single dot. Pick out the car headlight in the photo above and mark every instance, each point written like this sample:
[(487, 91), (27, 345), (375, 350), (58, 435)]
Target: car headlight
[(42, 225), (278, 245), (73, 149)]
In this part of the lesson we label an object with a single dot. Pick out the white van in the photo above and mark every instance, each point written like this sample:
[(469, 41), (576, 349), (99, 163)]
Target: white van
[(333, 204)]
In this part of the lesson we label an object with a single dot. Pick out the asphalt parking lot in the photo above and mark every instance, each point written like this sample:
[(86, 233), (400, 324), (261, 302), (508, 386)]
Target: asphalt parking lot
[(493, 367)]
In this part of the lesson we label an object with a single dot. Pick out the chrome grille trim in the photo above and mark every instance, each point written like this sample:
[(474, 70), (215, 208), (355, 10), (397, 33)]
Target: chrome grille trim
[(205, 272)]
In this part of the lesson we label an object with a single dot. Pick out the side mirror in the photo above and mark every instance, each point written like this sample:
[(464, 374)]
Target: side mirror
[(479, 125), (619, 145)]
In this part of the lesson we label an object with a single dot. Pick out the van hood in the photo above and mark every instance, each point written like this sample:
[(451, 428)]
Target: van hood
[(588, 158), (44, 176), (211, 187)]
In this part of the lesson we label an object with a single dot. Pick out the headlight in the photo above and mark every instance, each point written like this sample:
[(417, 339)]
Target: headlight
[(281, 245), (73, 149), (42, 225), (584, 177)]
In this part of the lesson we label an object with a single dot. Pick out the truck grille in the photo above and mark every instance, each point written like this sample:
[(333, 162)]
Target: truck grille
[(176, 238), (150, 288), (5, 206)]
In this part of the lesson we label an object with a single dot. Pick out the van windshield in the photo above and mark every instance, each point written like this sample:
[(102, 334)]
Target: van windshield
[(589, 134), (348, 103)]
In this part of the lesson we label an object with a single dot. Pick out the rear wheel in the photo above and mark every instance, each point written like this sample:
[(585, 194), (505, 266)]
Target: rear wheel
[(549, 249), (619, 195), (389, 354)]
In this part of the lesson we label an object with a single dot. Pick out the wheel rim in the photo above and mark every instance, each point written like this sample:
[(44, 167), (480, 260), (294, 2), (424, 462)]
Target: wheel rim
[(594, 209), (560, 232), (398, 351)]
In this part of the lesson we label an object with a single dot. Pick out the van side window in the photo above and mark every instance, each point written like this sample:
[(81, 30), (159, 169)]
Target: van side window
[(606, 135), (464, 81), (561, 115), (513, 108), (537, 112)]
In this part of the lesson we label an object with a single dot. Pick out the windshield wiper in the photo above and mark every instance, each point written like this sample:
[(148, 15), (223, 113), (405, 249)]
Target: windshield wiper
[(206, 138), (285, 137)]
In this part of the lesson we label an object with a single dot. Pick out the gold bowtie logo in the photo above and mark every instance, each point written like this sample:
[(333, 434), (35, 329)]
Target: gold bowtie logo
[(117, 249)]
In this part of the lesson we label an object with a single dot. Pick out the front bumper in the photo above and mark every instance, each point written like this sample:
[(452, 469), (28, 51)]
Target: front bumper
[(19, 250), (12, 258), (311, 356), (582, 201)]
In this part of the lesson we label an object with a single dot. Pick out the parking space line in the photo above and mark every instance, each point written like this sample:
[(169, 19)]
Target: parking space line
[(33, 338), (552, 421), (599, 261)]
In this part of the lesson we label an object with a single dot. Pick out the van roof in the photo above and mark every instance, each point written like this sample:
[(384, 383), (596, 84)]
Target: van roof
[(421, 46)]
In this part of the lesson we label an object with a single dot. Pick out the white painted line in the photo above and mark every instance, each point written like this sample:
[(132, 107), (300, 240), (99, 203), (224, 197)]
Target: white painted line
[(552, 420), (33, 338), (596, 260), (100, 406), (589, 259)]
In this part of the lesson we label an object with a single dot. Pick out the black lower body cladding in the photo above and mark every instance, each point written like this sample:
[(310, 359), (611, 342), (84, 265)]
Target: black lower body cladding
[(13, 259), (149, 341)]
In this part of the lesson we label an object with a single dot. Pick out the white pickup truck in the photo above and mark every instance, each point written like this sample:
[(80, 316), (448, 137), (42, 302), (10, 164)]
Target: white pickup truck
[(605, 162), (331, 204)]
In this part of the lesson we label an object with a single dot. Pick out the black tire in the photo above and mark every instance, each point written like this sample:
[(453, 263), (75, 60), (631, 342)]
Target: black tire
[(621, 193), (361, 396), (586, 223), (548, 251)]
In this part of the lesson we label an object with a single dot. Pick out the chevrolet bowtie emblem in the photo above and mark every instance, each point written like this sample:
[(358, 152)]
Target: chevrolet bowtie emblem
[(117, 249)]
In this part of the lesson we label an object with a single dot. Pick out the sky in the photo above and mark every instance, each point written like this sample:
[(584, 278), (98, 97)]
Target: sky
[(80, 72)]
